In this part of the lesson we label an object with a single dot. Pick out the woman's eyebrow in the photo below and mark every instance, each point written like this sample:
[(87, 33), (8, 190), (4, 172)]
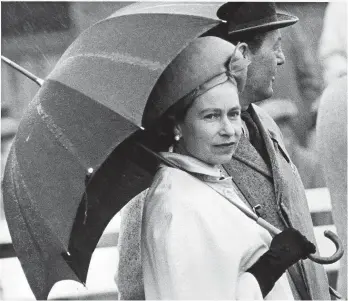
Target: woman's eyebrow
[(238, 107), (210, 109)]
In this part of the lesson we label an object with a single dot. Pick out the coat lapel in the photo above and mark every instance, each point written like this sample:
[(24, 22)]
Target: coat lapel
[(247, 154), (272, 141)]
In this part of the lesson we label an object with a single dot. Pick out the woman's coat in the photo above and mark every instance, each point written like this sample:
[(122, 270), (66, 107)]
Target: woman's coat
[(195, 243)]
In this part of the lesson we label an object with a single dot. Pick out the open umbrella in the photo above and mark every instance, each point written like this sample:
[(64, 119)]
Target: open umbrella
[(79, 131)]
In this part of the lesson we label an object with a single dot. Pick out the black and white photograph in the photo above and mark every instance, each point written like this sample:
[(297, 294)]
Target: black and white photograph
[(173, 150)]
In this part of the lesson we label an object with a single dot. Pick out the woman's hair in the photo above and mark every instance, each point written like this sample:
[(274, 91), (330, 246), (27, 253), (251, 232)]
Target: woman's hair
[(162, 132)]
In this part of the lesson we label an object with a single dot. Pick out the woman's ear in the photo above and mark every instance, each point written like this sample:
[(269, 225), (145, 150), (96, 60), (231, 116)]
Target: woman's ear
[(177, 130)]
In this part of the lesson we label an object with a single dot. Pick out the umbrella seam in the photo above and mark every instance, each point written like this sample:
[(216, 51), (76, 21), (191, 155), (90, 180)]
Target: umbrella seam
[(119, 57)]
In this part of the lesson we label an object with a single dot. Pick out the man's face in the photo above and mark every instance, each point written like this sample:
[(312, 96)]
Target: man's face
[(263, 68)]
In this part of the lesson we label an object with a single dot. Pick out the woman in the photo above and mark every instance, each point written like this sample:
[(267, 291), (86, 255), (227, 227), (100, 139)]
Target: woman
[(195, 244)]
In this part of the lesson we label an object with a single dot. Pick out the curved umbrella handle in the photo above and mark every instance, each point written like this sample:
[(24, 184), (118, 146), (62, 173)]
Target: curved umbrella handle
[(333, 258), (316, 258)]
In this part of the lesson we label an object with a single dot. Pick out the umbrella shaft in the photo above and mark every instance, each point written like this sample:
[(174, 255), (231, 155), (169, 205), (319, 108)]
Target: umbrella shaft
[(28, 74)]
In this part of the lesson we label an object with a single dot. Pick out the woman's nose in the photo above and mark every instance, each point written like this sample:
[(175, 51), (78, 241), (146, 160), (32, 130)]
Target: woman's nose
[(229, 127)]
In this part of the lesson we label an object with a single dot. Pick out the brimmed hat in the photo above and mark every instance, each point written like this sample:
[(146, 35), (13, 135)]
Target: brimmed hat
[(243, 17), (203, 64)]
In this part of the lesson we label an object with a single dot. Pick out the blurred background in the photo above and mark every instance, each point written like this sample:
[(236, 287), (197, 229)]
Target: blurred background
[(35, 35)]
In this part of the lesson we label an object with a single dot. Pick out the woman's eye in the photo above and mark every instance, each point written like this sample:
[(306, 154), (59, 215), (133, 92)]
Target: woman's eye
[(211, 116), (234, 114)]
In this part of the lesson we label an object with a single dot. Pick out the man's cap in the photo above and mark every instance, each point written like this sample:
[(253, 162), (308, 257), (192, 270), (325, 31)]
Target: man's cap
[(245, 17), (198, 67)]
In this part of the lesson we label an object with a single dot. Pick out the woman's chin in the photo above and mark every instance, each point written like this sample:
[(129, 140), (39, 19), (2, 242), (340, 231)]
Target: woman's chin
[(223, 159)]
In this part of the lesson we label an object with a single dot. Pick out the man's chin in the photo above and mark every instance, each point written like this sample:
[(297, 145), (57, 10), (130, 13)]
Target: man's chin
[(256, 97)]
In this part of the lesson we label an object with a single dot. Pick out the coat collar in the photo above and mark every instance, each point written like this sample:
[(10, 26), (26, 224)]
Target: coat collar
[(194, 165), (263, 120), (270, 132)]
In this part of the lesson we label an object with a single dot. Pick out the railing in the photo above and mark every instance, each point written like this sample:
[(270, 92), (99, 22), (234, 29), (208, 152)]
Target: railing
[(100, 282)]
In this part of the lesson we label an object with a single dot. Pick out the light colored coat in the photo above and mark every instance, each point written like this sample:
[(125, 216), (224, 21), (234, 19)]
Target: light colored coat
[(332, 149), (195, 243)]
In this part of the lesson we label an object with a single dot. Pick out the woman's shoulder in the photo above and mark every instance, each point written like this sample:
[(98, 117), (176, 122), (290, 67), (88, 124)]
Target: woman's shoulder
[(173, 188), (168, 180)]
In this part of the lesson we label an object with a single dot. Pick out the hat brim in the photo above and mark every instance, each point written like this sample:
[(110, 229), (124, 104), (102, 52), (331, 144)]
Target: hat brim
[(283, 20)]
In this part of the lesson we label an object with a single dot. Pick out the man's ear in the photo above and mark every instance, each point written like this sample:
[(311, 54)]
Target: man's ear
[(244, 49)]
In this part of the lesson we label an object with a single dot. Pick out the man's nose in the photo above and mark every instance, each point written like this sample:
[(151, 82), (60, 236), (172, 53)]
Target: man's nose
[(280, 58)]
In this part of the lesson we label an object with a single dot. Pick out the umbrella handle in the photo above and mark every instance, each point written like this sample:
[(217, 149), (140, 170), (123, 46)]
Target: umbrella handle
[(333, 258), (316, 258)]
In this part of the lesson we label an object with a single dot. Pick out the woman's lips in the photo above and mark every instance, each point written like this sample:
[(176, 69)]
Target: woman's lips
[(226, 144)]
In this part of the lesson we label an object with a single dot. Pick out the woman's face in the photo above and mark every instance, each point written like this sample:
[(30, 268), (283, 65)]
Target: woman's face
[(212, 126)]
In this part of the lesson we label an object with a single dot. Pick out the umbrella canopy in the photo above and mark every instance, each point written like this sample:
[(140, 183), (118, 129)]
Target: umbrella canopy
[(86, 117)]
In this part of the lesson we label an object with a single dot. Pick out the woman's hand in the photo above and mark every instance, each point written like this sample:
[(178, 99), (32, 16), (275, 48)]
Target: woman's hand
[(287, 248)]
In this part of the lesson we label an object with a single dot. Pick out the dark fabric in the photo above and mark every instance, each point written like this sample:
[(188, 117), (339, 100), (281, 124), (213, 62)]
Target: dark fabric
[(250, 16), (255, 136), (287, 248)]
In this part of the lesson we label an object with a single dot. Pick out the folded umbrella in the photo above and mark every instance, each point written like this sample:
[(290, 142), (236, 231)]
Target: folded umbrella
[(74, 164)]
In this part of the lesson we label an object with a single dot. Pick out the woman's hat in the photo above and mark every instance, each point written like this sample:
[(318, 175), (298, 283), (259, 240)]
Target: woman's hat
[(243, 17), (203, 64)]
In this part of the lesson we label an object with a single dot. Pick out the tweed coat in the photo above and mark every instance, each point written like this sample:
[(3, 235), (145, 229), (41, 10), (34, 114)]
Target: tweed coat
[(250, 174), (258, 183)]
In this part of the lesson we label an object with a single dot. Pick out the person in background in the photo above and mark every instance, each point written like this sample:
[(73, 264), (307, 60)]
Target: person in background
[(284, 113), (333, 41), (332, 120), (332, 149)]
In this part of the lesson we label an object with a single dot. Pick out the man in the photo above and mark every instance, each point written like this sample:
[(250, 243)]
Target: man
[(261, 168)]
